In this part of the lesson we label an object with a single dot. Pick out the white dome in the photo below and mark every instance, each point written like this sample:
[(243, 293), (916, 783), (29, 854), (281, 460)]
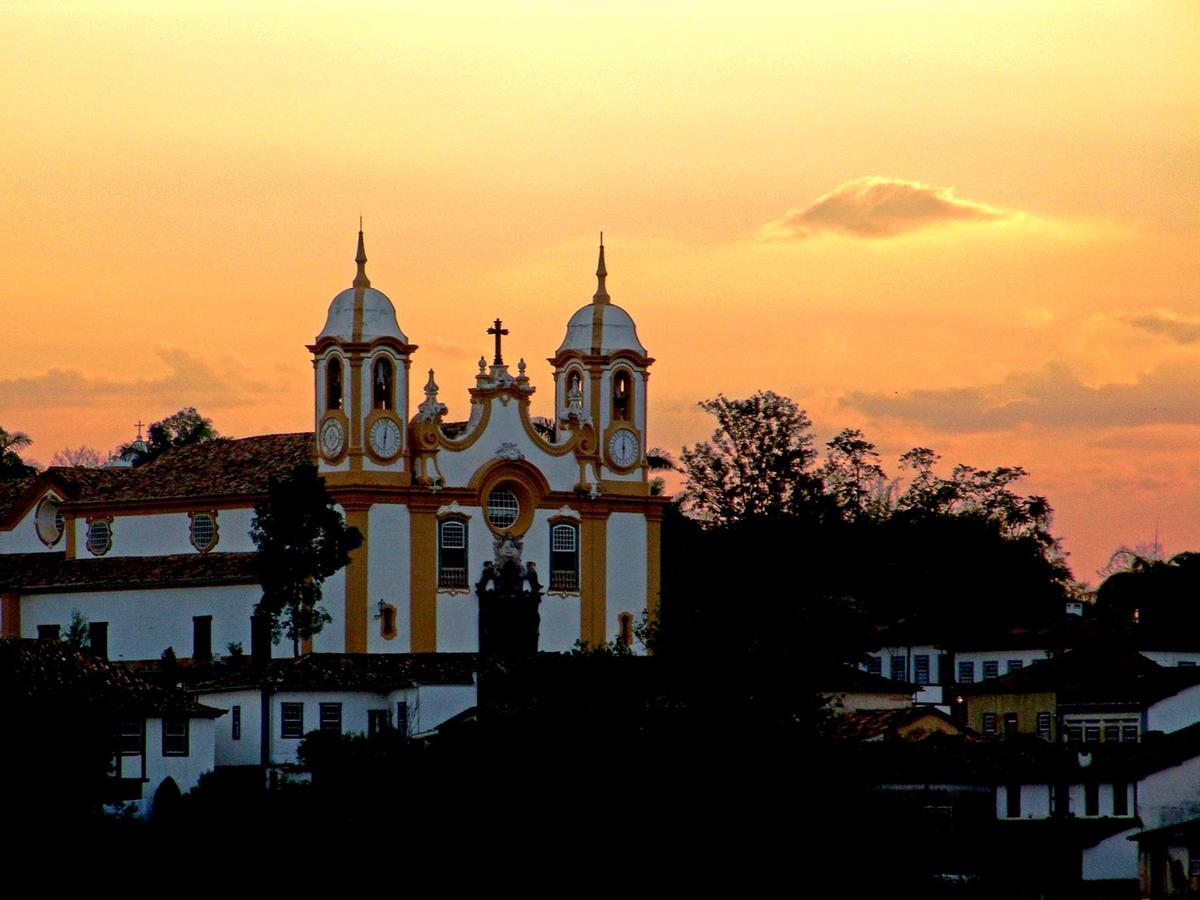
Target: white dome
[(617, 331), (378, 317)]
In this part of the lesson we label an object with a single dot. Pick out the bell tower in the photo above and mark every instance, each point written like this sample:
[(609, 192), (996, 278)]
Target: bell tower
[(361, 360), (600, 373)]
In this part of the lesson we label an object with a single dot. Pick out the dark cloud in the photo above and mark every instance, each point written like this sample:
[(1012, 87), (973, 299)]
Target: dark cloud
[(188, 381), (878, 207), (1051, 396), (1183, 331)]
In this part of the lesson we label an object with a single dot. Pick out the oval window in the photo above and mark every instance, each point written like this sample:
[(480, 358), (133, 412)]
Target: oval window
[(99, 537), (49, 521)]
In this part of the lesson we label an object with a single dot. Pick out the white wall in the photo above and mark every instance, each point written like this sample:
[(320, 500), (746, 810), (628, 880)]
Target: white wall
[(625, 574), (1002, 657), (389, 576), (162, 534), (560, 623), (23, 538), (186, 770), (1175, 712), (248, 750), (332, 638), (433, 704), (141, 624), (1035, 801), (1172, 658)]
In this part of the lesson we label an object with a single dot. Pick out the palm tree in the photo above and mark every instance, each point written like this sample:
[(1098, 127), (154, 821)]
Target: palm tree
[(11, 465)]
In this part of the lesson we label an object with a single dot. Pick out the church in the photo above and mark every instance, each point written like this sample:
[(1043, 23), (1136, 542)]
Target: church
[(160, 556)]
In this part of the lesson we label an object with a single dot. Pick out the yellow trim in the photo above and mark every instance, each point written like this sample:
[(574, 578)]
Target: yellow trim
[(593, 538), (653, 565), (423, 602), (10, 614), (356, 584), (529, 485), (625, 488), (467, 440)]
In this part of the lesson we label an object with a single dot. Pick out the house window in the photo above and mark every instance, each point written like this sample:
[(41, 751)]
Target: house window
[(1074, 734), (1120, 799), (899, 669), (402, 717), (130, 735), (331, 718), (175, 737), (1043, 725), (622, 397), (98, 639), (1112, 734), (564, 557), (48, 632), (452, 553), (382, 378), (235, 719), (99, 536), (874, 665), (1091, 734), (1187, 663), (1010, 724), (1015, 665), (377, 722), (203, 531), (333, 384), (966, 673), (1091, 799), (991, 669), (502, 508), (989, 723), (291, 720), (1012, 801), (201, 637), (1129, 734), (921, 668)]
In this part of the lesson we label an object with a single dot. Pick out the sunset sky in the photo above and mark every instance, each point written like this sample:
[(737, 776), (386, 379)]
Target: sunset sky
[(973, 227)]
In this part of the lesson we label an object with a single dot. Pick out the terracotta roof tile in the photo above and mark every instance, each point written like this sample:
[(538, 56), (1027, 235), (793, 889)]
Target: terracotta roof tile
[(224, 467), (354, 671), (44, 572), (42, 672)]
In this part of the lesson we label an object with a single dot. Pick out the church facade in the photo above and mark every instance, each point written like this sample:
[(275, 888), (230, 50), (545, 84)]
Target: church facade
[(160, 555)]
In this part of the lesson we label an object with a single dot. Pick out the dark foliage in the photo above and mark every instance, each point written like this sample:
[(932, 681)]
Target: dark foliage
[(181, 429), (301, 540)]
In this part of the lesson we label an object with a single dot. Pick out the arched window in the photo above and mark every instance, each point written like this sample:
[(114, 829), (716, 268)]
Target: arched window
[(383, 378), (452, 553), (622, 395), (503, 508), (333, 383), (387, 620), (564, 557)]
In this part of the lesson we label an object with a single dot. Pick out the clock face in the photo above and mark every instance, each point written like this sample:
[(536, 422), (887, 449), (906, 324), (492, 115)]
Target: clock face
[(385, 438), (332, 437), (623, 448)]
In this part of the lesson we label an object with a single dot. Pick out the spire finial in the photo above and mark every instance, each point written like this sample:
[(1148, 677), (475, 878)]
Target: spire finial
[(361, 279), (601, 295)]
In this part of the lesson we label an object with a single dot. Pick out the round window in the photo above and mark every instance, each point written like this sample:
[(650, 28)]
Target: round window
[(204, 531), (502, 508), (49, 521)]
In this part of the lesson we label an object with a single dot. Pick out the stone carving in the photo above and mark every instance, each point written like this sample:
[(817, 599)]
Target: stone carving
[(510, 451), (509, 593)]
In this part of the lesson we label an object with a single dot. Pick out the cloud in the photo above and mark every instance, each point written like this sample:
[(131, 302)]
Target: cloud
[(876, 207), (188, 381), (1180, 330), (1051, 396)]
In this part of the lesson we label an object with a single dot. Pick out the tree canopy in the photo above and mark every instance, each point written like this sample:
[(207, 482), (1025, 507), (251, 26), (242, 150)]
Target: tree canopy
[(302, 539), (11, 464), (1159, 596), (179, 429)]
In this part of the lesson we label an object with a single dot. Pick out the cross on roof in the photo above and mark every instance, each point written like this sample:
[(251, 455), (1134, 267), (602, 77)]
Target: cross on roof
[(139, 423), (497, 331)]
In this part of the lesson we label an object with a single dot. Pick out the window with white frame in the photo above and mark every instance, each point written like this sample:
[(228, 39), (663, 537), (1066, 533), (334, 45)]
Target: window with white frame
[(452, 553), (175, 737), (99, 536), (503, 508), (564, 557)]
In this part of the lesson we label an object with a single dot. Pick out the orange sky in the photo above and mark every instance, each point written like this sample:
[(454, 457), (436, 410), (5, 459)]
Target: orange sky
[(966, 226)]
